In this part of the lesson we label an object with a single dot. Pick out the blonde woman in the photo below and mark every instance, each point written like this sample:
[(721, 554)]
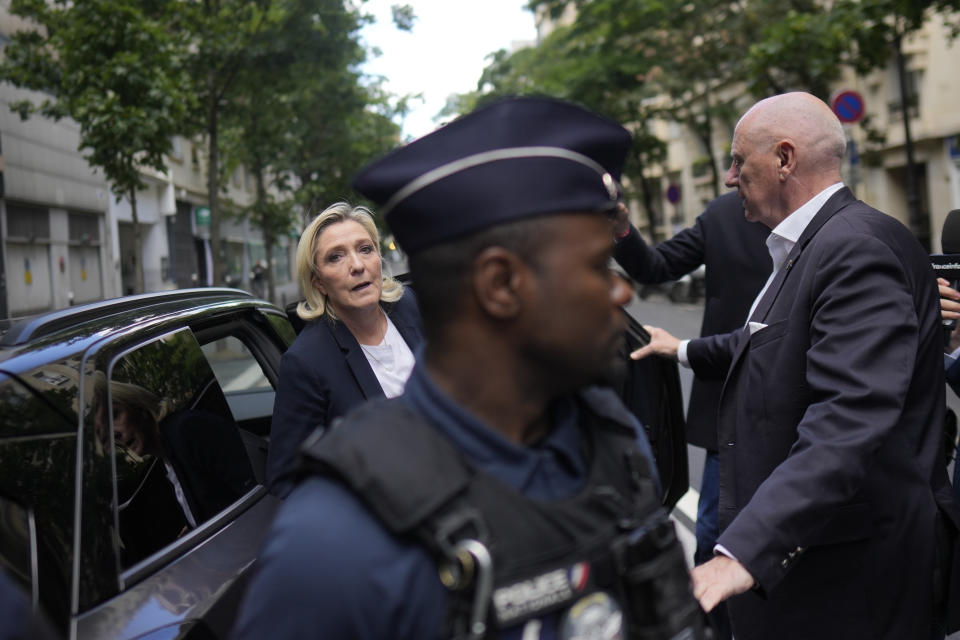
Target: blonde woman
[(362, 329)]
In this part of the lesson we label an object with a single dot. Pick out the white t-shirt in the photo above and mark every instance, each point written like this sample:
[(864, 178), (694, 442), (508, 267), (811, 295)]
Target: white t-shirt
[(391, 361)]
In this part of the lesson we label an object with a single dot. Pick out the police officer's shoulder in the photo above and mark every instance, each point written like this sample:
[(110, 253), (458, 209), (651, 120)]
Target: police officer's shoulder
[(329, 563), (389, 454), (322, 511), (323, 524)]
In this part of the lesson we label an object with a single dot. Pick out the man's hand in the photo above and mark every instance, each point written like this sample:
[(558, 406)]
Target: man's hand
[(661, 344), (949, 310), (718, 579), (949, 300)]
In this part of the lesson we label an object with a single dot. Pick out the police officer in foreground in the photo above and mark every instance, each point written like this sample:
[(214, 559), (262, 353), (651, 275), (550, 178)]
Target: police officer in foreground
[(502, 495)]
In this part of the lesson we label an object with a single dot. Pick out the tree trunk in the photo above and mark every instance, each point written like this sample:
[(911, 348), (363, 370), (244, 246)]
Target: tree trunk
[(268, 241), (919, 221), (213, 186), (266, 227), (647, 198), (137, 242), (708, 139)]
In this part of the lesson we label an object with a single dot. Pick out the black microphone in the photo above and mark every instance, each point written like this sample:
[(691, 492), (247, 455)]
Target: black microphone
[(947, 264)]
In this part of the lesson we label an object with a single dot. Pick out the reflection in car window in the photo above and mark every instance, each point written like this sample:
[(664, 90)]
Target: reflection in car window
[(179, 459), (38, 452), (282, 326)]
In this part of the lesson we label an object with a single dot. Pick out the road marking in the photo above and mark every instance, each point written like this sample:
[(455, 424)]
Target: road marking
[(685, 517), (687, 506)]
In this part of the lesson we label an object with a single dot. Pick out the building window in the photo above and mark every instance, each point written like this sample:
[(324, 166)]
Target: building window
[(281, 263), (914, 80), (84, 228), (234, 267), (28, 264), (176, 148), (27, 223)]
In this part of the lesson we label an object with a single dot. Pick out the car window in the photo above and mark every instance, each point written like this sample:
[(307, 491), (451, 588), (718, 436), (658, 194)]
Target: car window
[(179, 458), (234, 366), (38, 447), (246, 387), (18, 550)]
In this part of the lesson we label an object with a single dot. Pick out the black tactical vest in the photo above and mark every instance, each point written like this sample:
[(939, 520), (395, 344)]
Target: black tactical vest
[(507, 558)]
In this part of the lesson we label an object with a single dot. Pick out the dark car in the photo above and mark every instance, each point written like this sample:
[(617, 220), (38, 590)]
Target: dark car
[(133, 442)]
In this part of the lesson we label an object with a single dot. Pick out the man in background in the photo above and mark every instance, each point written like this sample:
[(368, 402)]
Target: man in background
[(734, 252)]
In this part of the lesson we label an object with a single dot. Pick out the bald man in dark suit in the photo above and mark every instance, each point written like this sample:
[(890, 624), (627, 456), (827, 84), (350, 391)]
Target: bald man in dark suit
[(835, 508)]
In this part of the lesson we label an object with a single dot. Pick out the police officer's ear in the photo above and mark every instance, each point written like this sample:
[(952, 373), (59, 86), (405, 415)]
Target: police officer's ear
[(498, 278)]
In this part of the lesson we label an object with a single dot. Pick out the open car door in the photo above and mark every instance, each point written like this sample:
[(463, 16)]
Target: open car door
[(651, 390)]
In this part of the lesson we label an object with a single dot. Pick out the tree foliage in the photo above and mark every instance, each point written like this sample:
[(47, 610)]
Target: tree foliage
[(270, 85), (279, 81), (688, 61), (116, 68), (311, 44)]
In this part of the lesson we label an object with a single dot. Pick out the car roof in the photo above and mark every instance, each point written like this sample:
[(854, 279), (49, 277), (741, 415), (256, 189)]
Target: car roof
[(54, 334)]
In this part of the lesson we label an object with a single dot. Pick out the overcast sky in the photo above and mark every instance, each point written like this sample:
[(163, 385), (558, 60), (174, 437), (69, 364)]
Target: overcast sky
[(445, 53)]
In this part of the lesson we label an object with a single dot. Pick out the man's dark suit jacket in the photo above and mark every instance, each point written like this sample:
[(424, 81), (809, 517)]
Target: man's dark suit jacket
[(953, 376), (737, 263), (832, 474), (323, 374)]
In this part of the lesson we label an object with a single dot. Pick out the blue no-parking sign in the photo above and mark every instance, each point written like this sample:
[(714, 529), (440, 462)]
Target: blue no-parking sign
[(673, 194), (848, 106)]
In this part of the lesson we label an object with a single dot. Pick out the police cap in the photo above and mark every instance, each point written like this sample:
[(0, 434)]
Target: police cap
[(514, 159)]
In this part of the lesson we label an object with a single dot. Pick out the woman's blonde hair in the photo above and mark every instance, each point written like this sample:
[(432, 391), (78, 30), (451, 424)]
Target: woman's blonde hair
[(315, 303)]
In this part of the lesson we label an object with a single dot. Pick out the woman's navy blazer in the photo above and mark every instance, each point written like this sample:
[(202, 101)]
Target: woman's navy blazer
[(324, 374)]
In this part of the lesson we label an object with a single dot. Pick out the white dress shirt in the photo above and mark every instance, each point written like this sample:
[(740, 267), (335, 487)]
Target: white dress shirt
[(780, 243)]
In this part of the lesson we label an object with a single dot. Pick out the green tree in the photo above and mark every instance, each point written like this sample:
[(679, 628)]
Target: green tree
[(341, 119), (694, 55), (806, 43), (308, 42), (583, 63), (116, 68), (770, 45), (225, 37), (339, 125), (254, 63)]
